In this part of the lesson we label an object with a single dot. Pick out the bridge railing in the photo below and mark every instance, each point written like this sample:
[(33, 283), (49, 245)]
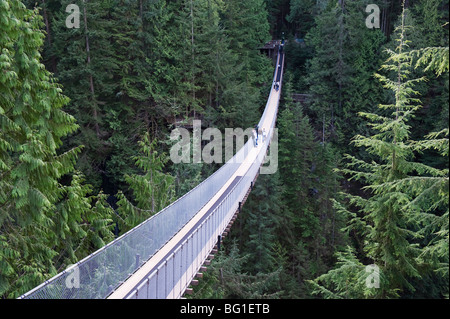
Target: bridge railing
[(97, 275), (174, 274), (171, 278)]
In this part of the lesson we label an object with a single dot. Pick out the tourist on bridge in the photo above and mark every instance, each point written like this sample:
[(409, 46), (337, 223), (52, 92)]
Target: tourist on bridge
[(255, 138)]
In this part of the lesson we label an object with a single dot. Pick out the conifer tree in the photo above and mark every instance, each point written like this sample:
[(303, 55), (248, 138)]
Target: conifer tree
[(329, 72), (389, 217), (346, 281), (227, 278), (45, 214), (85, 68), (246, 25), (309, 185), (339, 75), (301, 17), (262, 210), (297, 141), (151, 192)]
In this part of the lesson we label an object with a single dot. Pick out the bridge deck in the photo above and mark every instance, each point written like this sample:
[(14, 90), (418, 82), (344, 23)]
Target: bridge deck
[(130, 285), (176, 241)]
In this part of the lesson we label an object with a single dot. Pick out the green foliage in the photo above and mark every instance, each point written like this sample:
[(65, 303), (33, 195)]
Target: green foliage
[(46, 217), (227, 279), (346, 281), (261, 217), (139, 66), (405, 198), (436, 59), (287, 224), (339, 75), (301, 16), (247, 28), (183, 58), (397, 180), (432, 18), (152, 191)]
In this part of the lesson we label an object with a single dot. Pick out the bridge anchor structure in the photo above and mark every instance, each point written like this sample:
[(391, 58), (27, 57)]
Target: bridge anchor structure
[(166, 255)]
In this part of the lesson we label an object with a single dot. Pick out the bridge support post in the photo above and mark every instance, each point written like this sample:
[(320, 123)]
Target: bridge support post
[(138, 257)]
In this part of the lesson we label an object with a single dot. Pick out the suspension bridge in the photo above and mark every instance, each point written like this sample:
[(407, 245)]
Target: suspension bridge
[(166, 254)]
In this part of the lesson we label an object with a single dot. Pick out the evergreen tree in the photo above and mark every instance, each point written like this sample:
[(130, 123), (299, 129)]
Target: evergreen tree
[(301, 16), (339, 74), (116, 94), (227, 279), (278, 11), (346, 281), (391, 216), (85, 68), (138, 66), (45, 214), (430, 47), (309, 185), (151, 192), (329, 73), (260, 224), (297, 141), (246, 24)]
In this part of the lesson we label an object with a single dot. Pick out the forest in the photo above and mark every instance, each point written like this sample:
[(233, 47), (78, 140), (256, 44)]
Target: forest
[(363, 175)]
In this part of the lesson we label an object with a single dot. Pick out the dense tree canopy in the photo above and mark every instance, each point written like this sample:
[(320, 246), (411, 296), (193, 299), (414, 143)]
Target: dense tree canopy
[(86, 115)]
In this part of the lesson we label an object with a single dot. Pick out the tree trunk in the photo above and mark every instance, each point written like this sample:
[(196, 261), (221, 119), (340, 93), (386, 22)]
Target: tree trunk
[(91, 79), (49, 39), (193, 56)]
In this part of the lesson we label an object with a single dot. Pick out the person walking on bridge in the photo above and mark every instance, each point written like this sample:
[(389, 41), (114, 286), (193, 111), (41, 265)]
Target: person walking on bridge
[(255, 138)]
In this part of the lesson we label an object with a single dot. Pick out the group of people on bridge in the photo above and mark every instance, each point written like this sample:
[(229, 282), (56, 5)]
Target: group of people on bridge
[(280, 50)]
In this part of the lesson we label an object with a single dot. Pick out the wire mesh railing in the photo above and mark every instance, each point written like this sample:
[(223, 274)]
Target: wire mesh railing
[(97, 275)]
